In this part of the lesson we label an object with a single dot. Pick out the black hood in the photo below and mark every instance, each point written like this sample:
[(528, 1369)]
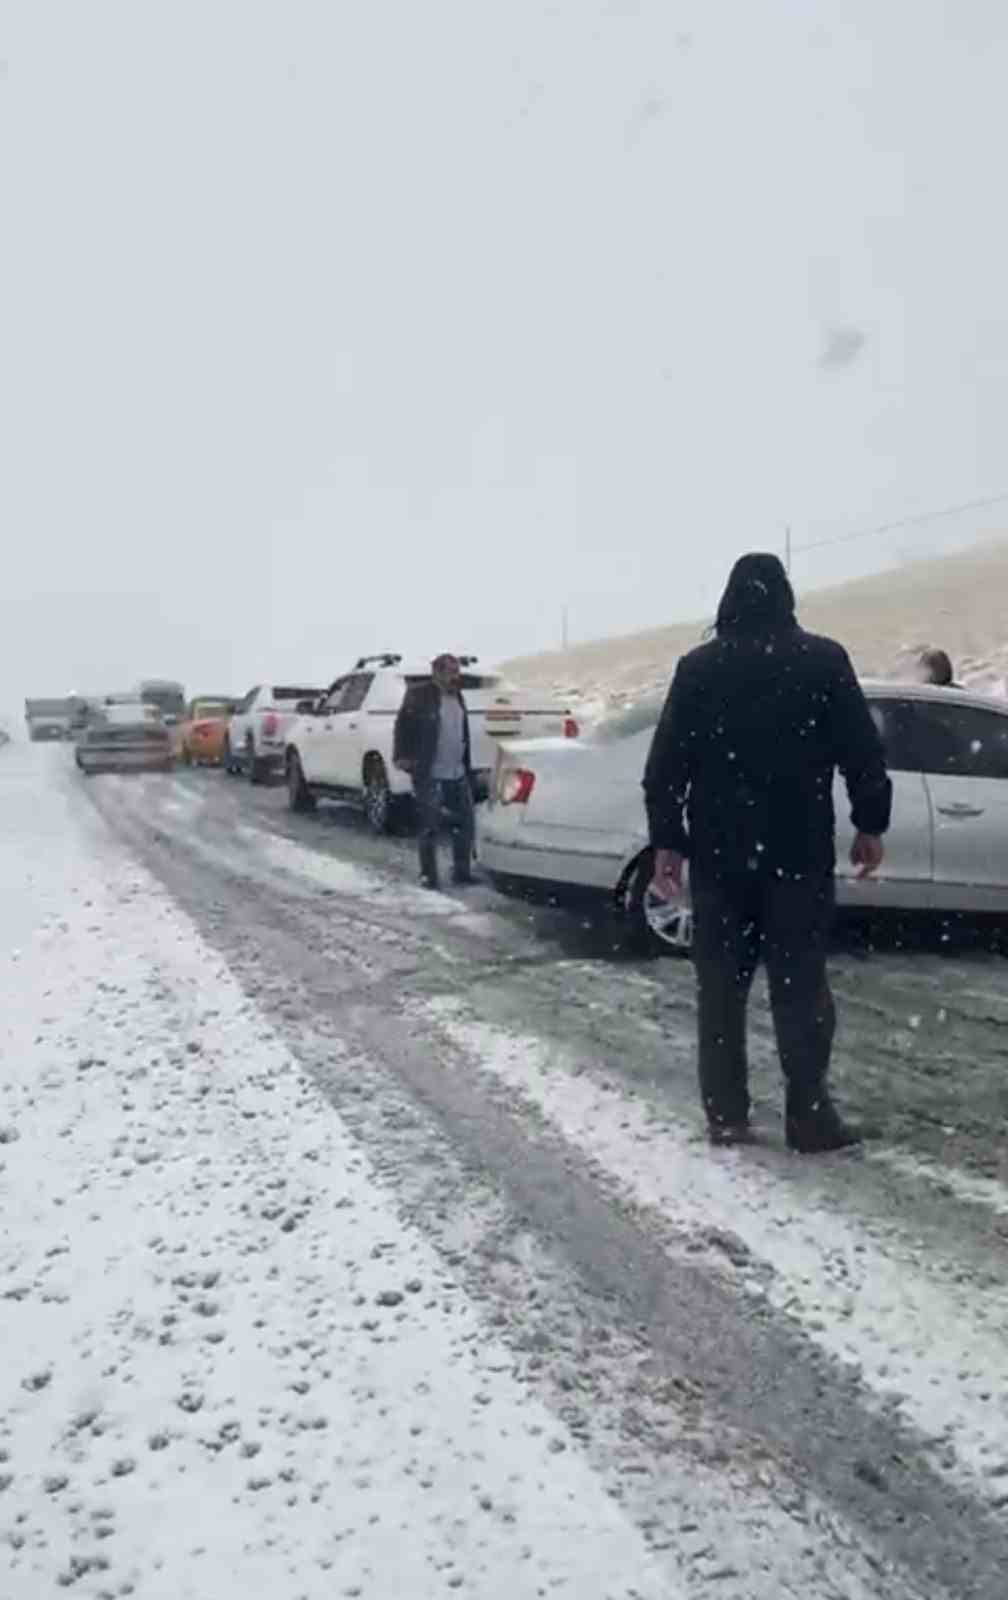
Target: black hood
[(758, 598)]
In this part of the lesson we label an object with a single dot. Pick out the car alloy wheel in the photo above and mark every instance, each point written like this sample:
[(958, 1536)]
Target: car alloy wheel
[(670, 922), (655, 926)]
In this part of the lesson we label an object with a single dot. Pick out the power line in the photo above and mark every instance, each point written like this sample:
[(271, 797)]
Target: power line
[(903, 522)]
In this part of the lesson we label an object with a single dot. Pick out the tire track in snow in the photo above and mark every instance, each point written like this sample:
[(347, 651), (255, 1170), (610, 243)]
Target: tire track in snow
[(868, 1308)]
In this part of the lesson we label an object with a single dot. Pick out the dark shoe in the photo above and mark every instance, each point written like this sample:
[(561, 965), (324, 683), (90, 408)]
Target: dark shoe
[(463, 880), (427, 882), (722, 1135), (820, 1129)]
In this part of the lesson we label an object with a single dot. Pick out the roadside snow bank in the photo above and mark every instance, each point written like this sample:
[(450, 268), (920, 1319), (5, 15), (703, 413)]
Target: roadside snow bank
[(955, 602), (228, 1368)]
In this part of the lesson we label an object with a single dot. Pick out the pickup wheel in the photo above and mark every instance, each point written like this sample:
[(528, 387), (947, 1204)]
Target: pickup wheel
[(255, 771), (379, 802), (299, 796)]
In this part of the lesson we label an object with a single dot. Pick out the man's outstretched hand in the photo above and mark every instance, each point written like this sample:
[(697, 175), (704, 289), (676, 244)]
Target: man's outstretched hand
[(867, 853), (667, 881)]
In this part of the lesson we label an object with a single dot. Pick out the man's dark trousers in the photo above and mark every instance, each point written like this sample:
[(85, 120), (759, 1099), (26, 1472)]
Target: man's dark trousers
[(787, 920), (436, 797)]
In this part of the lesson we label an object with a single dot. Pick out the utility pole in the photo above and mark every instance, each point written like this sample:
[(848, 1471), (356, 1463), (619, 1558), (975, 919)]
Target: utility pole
[(563, 629), (787, 548)]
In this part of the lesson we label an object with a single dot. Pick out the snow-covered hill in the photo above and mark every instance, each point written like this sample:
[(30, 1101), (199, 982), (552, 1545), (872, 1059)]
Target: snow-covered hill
[(959, 602)]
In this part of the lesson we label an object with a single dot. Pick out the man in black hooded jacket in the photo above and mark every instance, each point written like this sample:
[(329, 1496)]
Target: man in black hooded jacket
[(740, 781)]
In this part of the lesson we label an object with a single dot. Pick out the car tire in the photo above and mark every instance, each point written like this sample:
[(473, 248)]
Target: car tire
[(654, 927), (299, 796), (254, 769), (379, 801)]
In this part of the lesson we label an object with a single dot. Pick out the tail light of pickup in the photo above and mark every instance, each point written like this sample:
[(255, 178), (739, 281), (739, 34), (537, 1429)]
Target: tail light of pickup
[(270, 724), (571, 729)]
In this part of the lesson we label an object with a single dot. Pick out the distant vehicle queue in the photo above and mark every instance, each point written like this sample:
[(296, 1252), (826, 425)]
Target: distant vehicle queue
[(564, 816), (334, 742)]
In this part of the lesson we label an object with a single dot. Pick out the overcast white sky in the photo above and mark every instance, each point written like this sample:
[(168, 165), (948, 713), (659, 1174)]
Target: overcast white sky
[(399, 323)]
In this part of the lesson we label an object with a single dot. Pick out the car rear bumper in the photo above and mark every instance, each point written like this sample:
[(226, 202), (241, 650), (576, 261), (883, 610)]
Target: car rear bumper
[(109, 759), (512, 850), (206, 749), (270, 752)]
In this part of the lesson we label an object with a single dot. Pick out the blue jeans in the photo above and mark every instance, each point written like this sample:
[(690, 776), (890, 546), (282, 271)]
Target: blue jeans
[(436, 798)]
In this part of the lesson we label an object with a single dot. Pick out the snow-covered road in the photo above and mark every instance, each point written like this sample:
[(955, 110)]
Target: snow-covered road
[(363, 1242)]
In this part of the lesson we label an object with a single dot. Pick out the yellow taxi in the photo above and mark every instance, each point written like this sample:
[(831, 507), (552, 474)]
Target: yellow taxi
[(201, 733)]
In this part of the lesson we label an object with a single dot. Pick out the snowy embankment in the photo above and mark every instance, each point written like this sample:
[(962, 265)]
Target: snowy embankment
[(955, 602), (228, 1367)]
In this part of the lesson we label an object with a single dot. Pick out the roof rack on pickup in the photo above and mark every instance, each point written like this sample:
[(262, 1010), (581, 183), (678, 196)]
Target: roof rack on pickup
[(388, 658), (385, 658)]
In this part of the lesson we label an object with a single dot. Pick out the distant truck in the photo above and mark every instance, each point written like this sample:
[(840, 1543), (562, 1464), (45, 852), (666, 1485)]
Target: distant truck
[(49, 719), (168, 696)]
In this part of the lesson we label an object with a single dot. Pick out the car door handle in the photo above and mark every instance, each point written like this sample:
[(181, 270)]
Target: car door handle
[(351, 724), (961, 808)]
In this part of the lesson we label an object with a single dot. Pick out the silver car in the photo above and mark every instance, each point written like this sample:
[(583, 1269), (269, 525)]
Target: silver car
[(569, 815), (124, 737)]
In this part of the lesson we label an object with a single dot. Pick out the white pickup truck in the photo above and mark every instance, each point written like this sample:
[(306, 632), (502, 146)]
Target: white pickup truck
[(258, 730), (342, 748)]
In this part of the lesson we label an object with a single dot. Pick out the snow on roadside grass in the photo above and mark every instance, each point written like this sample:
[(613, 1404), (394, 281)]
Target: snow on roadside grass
[(228, 1369), (969, 1187), (867, 1307)]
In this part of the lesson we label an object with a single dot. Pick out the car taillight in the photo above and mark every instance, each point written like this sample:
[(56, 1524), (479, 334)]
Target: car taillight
[(515, 786), (270, 724), (571, 729)]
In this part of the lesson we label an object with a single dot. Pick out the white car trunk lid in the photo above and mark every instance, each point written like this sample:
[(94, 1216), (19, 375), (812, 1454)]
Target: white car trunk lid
[(573, 789)]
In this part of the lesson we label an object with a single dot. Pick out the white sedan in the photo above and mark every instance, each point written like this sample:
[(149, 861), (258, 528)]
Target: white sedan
[(569, 815)]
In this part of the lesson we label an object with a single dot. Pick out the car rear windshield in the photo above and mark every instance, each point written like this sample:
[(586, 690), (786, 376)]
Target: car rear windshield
[(126, 733), (296, 694), (168, 701), (47, 708), (470, 680), (211, 708), (623, 724)]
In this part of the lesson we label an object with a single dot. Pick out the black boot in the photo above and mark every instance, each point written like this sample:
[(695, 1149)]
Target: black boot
[(817, 1127), (723, 1135)]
